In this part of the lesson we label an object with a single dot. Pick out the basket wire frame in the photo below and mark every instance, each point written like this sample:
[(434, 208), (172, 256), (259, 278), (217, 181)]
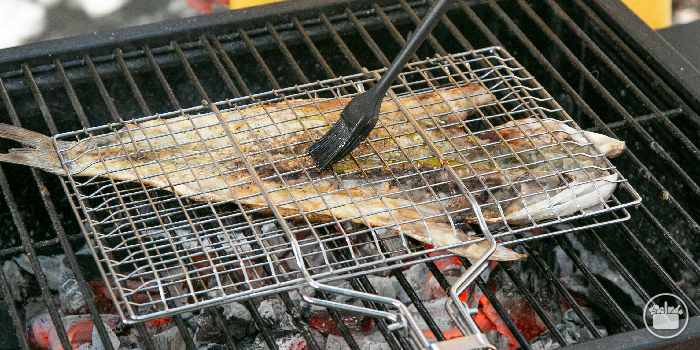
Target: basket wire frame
[(163, 252)]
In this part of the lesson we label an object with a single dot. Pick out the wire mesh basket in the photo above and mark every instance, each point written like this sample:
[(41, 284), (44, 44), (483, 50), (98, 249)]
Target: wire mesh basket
[(174, 207)]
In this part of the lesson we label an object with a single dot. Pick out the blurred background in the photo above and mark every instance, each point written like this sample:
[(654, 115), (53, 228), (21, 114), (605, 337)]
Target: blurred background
[(27, 21)]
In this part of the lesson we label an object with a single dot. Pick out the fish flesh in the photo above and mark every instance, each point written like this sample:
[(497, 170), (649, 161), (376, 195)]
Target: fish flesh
[(524, 170)]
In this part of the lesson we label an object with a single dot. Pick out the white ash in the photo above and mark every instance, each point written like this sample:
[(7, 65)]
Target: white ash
[(72, 300), (546, 340), (319, 338), (206, 330), (50, 265), (19, 284), (285, 340), (169, 340), (383, 286), (498, 339), (97, 342), (417, 277), (274, 313), (366, 341), (436, 309), (298, 301), (34, 307), (572, 320), (293, 340), (130, 340), (236, 310)]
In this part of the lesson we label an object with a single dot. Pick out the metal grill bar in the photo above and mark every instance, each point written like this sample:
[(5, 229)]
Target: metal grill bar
[(616, 309), (348, 21), (84, 288), (682, 255), (581, 104), (533, 302), (485, 74)]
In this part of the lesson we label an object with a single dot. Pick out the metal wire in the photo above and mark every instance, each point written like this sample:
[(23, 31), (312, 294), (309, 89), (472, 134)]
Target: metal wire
[(171, 206)]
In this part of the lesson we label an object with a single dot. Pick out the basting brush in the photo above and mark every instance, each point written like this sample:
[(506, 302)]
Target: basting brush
[(360, 115)]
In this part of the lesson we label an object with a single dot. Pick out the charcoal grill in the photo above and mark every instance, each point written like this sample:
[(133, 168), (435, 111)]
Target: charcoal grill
[(590, 56)]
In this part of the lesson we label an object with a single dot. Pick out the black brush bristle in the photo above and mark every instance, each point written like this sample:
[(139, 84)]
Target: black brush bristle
[(326, 150)]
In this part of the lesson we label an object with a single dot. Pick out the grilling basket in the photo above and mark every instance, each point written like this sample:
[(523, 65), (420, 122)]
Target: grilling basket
[(220, 202)]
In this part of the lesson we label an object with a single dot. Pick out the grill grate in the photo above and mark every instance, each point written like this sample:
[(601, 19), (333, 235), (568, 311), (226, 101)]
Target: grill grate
[(570, 46), (151, 242)]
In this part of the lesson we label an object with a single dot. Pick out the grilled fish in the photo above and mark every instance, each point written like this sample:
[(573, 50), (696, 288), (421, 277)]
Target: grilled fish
[(393, 181)]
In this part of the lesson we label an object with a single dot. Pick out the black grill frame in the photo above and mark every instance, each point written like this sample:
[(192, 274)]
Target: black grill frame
[(612, 43)]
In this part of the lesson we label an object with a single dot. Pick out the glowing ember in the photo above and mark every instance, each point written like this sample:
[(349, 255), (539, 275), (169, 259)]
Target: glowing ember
[(321, 320), (43, 335)]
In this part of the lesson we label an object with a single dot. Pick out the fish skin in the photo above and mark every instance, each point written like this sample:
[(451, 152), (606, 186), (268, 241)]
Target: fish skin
[(190, 144)]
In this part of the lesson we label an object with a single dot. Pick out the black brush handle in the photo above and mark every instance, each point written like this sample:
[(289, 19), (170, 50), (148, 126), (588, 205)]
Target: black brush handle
[(424, 28)]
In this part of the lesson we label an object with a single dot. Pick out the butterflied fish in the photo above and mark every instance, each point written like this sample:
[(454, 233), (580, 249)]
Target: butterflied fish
[(393, 181)]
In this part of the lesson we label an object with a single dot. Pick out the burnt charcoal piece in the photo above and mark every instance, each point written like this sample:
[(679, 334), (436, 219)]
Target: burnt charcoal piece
[(237, 321), (207, 331), (43, 335), (171, 339), (50, 265), (436, 309), (285, 340), (321, 320), (417, 277), (72, 300), (275, 314), (373, 340), (97, 342), (498, 339), (21, 286)]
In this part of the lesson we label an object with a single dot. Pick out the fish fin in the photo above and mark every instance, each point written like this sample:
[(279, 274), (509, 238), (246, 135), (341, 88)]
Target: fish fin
[(25, 137), (42, 154)]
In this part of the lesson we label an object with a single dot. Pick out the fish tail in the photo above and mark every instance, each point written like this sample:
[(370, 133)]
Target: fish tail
[(41, 154)]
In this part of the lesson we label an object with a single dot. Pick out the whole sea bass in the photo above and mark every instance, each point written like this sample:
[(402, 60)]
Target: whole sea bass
[(393, 181)]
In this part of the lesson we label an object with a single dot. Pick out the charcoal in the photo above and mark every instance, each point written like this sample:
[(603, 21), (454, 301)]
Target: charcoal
[(130, 339), (207, 331), (20, 285), (72, 300), (171, 339), (42, 333), (546, 340), (236, 318), (373, 340), (33, 307), (285, 340), (498, 339), (384, 286), (290, 340), (319, 338), (97, 342), (320, 320), (50, 265), (299, 301), (213, 346), (417, 277), (575, 323), (275, 314), (235, 315), (436, 309)]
